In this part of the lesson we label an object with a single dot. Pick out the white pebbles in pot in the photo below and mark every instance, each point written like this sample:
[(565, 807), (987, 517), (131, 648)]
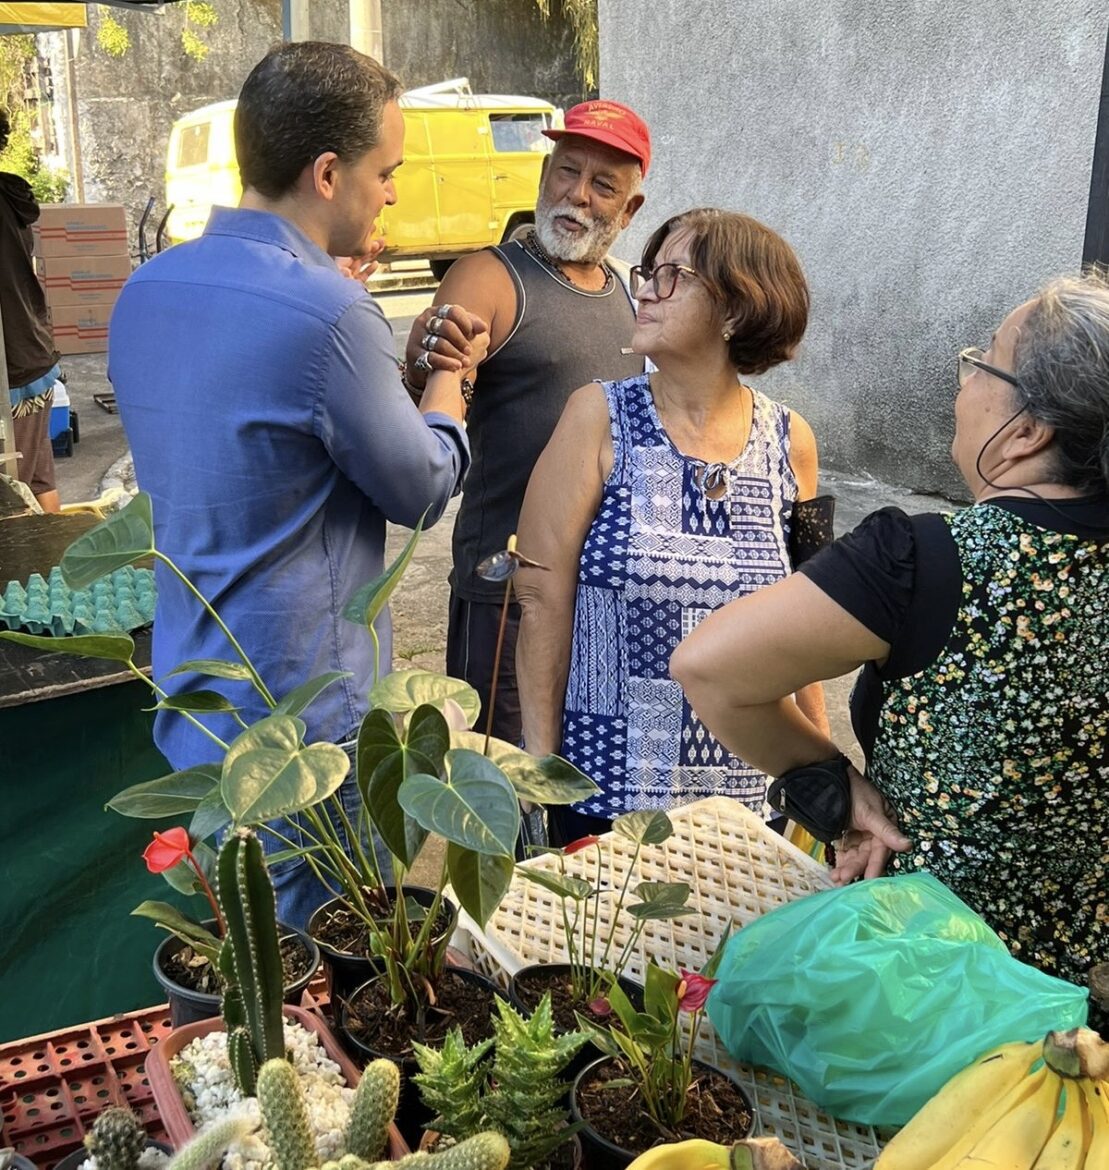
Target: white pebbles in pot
[(203, 1074)]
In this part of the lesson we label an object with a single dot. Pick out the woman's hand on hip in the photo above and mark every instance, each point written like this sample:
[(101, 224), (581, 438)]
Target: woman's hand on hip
[(865, 848)]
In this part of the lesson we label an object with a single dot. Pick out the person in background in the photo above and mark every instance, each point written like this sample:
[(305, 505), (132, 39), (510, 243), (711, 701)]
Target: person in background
[(983, 702), (559, 313), (659, 498), (267, 419), (30, 356)]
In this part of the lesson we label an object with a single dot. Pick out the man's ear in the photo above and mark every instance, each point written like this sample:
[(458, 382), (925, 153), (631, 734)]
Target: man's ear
[(322, 174), (632, 206)]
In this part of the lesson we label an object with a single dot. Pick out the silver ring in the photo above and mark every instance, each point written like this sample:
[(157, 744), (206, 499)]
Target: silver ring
[(442, 311), (423, 362), (428, 341), (434, 325)]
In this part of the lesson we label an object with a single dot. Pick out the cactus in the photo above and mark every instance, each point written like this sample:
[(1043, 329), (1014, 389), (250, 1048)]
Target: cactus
[(208, 1147), (483, 1151), (252, 1004), (117, 1139), (283, 1108), (375, 1102)]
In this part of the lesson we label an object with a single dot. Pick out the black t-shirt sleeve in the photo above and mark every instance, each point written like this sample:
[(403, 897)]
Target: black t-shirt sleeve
[(870, 572)]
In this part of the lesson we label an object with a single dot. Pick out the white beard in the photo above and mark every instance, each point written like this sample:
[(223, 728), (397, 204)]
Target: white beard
[(590, 246)]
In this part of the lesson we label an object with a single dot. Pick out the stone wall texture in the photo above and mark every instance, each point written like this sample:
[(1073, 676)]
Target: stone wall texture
[(929, 160)]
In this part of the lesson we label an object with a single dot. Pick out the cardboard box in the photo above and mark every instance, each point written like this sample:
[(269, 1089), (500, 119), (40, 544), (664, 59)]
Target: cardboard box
[(80, 328), (81, 229), (82, 280)]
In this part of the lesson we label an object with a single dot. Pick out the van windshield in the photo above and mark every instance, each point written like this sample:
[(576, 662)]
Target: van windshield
[(192, 146), (518, 132)]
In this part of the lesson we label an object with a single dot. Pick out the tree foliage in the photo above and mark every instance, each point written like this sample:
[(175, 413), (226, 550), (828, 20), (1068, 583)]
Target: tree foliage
[(21, 156), (582, 15), (115, 40)]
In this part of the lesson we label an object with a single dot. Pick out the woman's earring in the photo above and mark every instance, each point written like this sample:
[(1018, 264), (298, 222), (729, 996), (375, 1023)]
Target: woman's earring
[(727, 335)]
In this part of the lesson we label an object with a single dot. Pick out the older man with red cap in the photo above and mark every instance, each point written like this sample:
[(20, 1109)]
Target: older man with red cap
[(559, 315)]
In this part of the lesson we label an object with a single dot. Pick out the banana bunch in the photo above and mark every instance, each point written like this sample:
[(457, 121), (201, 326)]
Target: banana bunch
[(1042, 1106), (696, 1154)]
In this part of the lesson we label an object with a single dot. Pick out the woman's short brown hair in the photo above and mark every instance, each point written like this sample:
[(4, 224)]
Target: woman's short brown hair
[(754, 278)]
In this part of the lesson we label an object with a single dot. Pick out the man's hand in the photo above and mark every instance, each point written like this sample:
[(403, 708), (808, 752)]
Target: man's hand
[(864, 850), (361, 268), (444, 337)]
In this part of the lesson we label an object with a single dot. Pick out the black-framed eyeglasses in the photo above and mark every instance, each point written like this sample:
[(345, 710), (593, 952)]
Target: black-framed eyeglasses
[(664, 278), (971, 359)]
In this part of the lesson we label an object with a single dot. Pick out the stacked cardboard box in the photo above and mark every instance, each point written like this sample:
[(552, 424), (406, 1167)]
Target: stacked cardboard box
[(81, 258)]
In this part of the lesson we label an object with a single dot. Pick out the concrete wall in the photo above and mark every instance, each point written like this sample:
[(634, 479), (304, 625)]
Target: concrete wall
[(929, 160)]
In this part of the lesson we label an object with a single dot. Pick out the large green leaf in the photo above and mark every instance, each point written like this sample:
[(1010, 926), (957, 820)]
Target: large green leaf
[(660, 993), (382, 764), (475, 806), (123, 538), (210, 817), (116, 647), (563, 885), (364, 607), (196, 701), (306, 694), (644, 828), (183, 879), (405, 690), (168, 796), (187, 929), (542, 779), (214, 667), (660, 901), (479, 880), (268, 772), (429, 735)]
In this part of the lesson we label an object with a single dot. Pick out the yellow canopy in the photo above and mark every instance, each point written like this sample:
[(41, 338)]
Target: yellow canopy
[(29, 18)]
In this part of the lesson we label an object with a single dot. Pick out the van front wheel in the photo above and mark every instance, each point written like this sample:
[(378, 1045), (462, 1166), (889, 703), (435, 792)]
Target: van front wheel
[(439, 267), (519, 231)]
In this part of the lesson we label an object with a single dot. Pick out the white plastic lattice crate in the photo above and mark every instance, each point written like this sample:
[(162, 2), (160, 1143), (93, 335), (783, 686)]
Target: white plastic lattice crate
[(737, 869)]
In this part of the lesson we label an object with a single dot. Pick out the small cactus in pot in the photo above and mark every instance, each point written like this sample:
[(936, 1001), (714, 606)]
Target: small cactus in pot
[(117, 1139)]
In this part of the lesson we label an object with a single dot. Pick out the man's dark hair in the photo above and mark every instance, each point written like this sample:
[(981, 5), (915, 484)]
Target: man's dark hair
[(302, 100), (5, 128)]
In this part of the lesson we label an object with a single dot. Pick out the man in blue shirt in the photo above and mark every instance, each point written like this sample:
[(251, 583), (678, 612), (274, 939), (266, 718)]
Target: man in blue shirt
[(266, 415)]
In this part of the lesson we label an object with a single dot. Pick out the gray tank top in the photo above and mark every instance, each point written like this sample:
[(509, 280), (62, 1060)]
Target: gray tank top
[(562, 337)]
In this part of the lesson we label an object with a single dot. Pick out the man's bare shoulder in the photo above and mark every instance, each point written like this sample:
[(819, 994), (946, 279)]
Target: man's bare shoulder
[(481, 284)]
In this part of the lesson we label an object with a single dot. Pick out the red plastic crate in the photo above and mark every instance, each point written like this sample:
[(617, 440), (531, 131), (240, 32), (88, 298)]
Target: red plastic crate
[(53, 1086)]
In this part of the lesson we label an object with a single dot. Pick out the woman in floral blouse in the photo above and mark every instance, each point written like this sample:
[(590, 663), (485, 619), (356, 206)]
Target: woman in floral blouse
[(983, 703)]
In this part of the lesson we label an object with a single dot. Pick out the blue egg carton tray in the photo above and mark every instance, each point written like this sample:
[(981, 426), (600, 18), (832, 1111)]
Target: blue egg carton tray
[(118, 602)]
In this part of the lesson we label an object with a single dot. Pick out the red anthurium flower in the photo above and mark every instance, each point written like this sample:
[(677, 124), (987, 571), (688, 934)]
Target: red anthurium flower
[(600, 1006), (167, 850), (693, 991), (580, 843)]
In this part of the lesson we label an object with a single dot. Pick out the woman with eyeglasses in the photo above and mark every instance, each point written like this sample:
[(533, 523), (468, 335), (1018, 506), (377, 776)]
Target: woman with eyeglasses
[(658, 499), (983, 637)]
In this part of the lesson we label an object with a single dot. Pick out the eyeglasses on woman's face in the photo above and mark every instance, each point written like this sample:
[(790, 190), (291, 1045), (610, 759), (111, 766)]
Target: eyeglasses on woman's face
[(972, 359), (663, 279)]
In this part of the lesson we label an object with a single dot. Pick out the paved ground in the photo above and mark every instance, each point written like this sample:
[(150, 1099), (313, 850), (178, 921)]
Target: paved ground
[(420, 606)]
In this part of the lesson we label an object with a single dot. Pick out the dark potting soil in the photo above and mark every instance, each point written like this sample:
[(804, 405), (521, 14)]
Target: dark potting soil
[(531, 985), (342, 929), (195, 973), (717, 1112), (379, 1024)]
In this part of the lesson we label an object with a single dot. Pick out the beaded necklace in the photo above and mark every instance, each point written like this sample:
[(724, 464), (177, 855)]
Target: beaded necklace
[(536, 249)]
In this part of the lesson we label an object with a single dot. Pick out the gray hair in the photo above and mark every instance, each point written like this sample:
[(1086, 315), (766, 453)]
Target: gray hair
[(1061, 360)]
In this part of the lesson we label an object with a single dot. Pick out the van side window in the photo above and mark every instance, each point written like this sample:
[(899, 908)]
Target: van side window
[(192, 147), (519, 132)]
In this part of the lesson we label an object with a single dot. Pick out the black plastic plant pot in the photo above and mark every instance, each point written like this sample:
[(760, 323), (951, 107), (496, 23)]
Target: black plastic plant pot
[(346, 972), (588, 1052), (74, 1159), (602, 1154), (188, 1007), (412, 1116)]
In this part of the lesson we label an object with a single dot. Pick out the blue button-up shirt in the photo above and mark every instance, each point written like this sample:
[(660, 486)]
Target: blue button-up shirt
[(267, 420)]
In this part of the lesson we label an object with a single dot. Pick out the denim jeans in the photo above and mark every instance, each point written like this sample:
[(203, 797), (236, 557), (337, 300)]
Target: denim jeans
[(299, 892)]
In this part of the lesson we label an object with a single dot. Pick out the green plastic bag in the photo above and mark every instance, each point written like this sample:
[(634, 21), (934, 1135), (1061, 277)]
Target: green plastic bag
[(872, 996)]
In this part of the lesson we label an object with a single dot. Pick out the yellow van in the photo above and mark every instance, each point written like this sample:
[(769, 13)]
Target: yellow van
[(470, 175)]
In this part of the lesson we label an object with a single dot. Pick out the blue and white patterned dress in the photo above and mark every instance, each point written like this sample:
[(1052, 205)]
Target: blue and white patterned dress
[(660, 556)]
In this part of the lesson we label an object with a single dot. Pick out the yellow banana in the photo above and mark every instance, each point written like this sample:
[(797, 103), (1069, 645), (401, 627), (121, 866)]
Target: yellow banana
[(1066, 1147), (694, 1154), (1096, 1094), (963, 1109), (1015, 1140)]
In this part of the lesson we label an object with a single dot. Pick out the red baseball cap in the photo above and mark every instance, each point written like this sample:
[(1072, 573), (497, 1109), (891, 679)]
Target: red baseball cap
[(611, 123)]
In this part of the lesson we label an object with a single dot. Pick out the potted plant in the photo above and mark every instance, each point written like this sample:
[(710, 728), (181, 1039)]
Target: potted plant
[(118, 1141), (648, 1088), (511, 1083), (592, 916)]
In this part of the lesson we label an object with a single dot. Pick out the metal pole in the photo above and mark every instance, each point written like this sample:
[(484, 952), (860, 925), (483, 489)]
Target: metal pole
[(294, 20), (70, 37), (365, 28)]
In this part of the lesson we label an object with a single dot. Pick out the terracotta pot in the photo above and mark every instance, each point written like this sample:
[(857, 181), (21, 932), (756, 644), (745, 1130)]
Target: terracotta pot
[(345, 971), (600, 1153), (187, 1006), (74, 1159), (430, 1138), (172, 1109)]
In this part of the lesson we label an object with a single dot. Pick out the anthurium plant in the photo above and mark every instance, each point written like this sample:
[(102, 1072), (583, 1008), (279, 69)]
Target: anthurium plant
[(419, 770), (590, 931), (655, 1045)]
